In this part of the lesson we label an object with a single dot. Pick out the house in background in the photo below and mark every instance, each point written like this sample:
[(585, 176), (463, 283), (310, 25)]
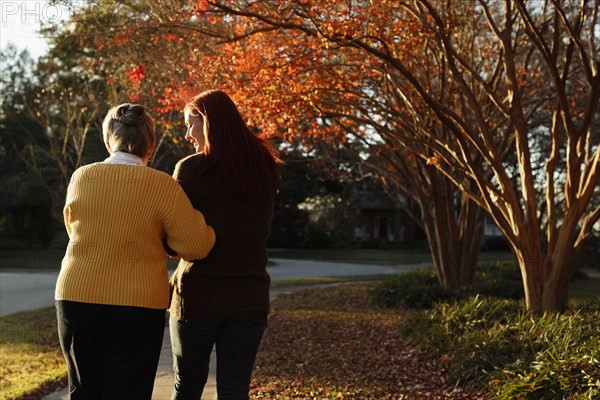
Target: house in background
[(493, 239), (376, 221)]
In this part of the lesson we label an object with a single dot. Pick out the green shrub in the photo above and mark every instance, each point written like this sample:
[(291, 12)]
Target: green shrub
[(566, 365), (496, 343), (421, 289), (414, 289), (466, 333), (496, 244), (499, 279), (488, 339), (317, 237)]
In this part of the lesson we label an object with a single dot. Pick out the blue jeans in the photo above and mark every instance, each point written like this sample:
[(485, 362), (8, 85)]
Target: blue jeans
[(237, 338)]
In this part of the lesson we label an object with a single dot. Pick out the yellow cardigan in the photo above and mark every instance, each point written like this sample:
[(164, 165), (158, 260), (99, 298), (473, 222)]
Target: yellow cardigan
[(116, 216)]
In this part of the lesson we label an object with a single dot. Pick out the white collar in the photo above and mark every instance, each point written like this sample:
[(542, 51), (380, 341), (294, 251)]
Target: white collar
[(120, 157)]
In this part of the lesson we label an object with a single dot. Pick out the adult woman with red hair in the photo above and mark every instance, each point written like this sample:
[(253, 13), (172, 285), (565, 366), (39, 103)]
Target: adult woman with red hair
[(223, 299)]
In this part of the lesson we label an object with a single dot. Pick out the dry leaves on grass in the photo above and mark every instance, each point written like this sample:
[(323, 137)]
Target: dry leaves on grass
[(329, 344)]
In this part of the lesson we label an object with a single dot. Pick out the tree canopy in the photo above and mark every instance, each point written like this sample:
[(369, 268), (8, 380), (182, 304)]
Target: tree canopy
[(500, 98)]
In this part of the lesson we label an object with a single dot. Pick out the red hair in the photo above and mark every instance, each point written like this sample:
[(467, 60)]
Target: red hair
[(246, 164)]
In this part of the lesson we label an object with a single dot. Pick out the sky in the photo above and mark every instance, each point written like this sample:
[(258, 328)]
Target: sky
[(21, 21)]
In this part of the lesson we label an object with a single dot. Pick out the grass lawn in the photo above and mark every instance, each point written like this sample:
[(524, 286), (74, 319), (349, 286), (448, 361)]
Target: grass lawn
[(326, 280), (356, 256), (584, 290), (374, 256), (31, 362)]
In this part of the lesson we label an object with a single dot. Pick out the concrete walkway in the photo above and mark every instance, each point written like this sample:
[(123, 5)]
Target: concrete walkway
[(28, 291), (163, 383)]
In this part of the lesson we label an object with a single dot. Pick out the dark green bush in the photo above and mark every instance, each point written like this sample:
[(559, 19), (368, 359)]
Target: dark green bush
[(498, 279), (317, 237), (566, 364), (465, 333), (421, 289), (496, 244), (496, 343), (414, 289), (489, 340)]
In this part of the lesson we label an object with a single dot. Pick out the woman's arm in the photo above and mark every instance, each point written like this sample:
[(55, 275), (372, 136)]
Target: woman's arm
[(187, 232), (73, 185), (184, 174)]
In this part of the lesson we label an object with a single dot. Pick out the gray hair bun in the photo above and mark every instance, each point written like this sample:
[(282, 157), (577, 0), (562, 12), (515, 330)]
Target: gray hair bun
[(130, 114)]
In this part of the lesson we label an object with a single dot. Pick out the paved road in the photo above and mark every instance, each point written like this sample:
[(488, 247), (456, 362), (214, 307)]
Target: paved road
[(33, 290)]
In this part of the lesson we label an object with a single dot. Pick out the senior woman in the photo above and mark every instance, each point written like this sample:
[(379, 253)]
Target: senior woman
[(113, 287)]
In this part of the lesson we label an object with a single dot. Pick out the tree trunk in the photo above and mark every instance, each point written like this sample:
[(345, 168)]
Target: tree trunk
[(546, 280), (546, 285), (542, 295), (532, 279), (561, 266), (556, 293), (454, 242)]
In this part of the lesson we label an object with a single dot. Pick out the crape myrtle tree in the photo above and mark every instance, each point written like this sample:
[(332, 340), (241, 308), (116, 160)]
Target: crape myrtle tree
[(524, 42), (452, 222), (543, 50), (469, 88), (302, 88)]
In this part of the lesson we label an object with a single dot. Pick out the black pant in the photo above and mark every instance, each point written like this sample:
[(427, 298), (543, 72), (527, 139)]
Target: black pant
[(112, 352), (237, 338)]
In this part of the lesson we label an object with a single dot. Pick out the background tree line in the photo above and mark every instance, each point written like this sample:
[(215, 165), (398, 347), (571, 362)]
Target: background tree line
[(51, 117)]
